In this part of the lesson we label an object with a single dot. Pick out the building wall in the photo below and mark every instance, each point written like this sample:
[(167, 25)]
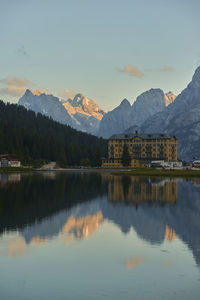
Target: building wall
[(14, 163), (10, 163), (141, 150)]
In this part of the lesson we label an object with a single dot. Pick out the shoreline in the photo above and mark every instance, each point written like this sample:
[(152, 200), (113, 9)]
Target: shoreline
[(161, 173), (121, 172)]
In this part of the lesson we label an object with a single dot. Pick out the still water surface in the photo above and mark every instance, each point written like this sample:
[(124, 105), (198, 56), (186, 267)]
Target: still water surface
[(98, 236)]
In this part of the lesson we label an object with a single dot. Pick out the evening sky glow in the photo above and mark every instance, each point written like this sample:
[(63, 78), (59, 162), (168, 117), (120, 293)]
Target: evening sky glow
[(107, 50)]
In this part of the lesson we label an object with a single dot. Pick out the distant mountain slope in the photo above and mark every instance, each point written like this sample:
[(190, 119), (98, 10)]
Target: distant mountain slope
[(82, 105), (35, 137), (47, 105), (181, 118), (115, 121), (80, 113), (124, 116), (85, 111), (146, 105)]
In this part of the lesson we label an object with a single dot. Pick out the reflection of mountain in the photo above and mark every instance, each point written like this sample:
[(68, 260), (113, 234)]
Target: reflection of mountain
[(83, 227), (72, 214), (170, 234), (37, 197)]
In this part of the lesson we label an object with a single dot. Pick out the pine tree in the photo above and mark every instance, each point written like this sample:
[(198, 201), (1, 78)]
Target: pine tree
[(126, 158), (35, 138)]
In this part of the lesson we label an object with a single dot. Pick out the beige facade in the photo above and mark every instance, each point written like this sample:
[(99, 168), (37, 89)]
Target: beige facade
[(143, 148), (137, 191)]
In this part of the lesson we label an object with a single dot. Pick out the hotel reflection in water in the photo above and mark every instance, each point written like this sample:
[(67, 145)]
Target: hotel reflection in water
[(135, 190)]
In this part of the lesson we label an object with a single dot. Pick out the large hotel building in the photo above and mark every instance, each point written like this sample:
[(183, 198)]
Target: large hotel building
[(143, 148)]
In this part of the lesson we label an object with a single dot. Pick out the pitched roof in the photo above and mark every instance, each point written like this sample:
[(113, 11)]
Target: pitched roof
[(144, 136)]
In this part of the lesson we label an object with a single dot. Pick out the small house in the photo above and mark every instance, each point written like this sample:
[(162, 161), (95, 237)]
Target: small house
[(7, 160)]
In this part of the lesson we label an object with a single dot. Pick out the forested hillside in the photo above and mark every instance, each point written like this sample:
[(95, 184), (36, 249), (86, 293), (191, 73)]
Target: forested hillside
[(35, 138)]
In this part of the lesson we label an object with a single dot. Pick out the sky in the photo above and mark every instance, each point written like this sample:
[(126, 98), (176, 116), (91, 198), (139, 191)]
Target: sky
[(106, 50)]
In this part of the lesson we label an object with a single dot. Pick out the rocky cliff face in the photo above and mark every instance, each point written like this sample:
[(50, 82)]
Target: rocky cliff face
[(169, 98), (83, 105), (181, 118), (47, 105), (146, 105), (86, 112), (116, 121), (124, 116), (80, 113)]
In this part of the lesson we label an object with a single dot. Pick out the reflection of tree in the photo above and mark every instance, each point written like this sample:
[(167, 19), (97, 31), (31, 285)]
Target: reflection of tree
[(36, 197), (126, 182)]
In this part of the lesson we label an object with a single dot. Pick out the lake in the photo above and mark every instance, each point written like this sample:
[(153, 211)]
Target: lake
[(82, 235)]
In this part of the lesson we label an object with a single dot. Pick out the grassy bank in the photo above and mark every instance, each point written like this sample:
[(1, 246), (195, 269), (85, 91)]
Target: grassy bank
[(156, 172), (15, 169)]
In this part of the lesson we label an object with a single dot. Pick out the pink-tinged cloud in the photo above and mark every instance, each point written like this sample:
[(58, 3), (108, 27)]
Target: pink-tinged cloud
[(16, 87), (167, 69), (132, 71), (13, 91), (13, 86), (39, 92), (66, 94), (14, 81)]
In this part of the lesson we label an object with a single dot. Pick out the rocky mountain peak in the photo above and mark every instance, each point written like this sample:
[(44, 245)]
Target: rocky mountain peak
[(28, 92), (78, 98), (146, 105), (85, 106), (125, 102), (196, 77), (169, 98)]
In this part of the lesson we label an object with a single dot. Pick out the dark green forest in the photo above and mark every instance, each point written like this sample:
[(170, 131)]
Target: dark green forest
[(36, 139)]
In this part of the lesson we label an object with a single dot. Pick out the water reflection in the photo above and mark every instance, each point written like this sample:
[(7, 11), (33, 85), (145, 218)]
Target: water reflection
[(74, 206), (133, 262), (138, 190), (80, 228), (8, 179)]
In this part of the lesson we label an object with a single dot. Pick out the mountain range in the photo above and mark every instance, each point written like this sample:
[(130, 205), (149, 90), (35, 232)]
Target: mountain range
[(80, 113), (85, 115), (152, 111), (126, 115), (181, 118)]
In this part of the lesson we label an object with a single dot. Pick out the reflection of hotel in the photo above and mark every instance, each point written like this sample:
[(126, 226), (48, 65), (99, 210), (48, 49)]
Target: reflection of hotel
[(136, 190)]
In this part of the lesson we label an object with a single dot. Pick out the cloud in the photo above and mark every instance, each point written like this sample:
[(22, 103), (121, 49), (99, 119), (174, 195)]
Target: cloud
[(13, 91), (39, 91), (167, 69), (16, 87), (132, 71), (66, 94), (14, 81)]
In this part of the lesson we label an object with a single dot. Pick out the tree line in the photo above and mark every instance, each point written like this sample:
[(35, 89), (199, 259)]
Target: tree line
[(36, 139)]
